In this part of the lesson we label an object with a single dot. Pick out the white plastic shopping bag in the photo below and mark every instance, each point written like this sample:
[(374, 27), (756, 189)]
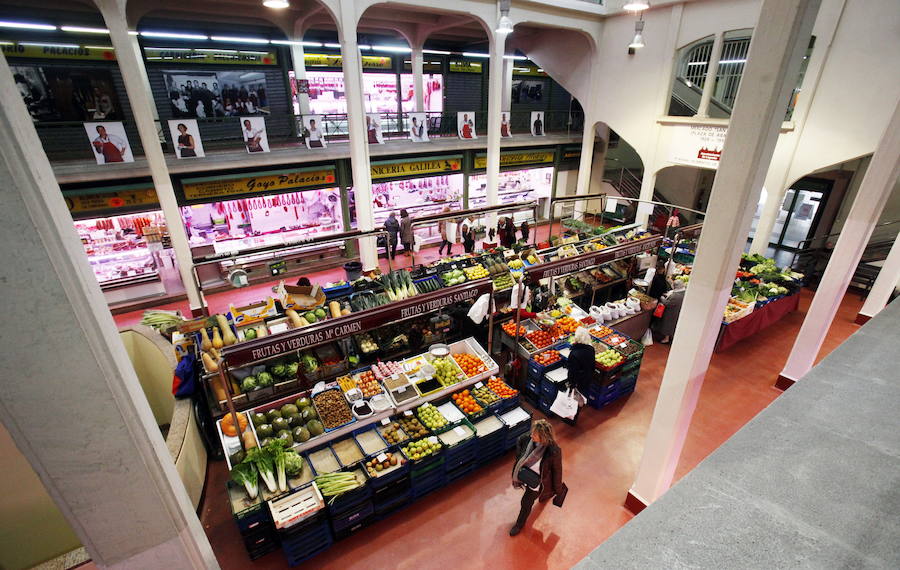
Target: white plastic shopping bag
[(417, 242), (479, 309), (566, 404)]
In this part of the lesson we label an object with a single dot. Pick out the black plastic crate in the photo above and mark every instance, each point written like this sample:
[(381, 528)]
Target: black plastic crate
[(312, 538), (461, 471), (507, 404), (361, 513), (394, 504), (426, 471), (427, 486), (260, 543)]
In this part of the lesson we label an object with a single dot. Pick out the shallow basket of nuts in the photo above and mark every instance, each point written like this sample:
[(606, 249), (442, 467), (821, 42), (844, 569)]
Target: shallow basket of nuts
[(333, 409)]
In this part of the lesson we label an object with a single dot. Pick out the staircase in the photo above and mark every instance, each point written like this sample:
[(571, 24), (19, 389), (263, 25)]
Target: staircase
[(628, 184)]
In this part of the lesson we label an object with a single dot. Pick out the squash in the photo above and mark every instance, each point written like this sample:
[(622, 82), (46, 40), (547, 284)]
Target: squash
[(249, 440), (218, 388), (227, 335), (217, 339), (208, 362), (206, 344), (228, 424), (335, 309), (296, 320)]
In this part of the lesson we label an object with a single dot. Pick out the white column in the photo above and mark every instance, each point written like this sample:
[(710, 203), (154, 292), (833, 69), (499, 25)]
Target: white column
[(359, 142), (298, 56), (873, 193), (417, 60), (495, 98), (583, 182), (648, 185), (81, 418), (506, 98), (779, 40), (134, 76), (887, 280), (709, 86)]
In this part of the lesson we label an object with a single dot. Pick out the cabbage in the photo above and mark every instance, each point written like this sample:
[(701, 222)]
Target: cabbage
[(249, 384), (264, 379)]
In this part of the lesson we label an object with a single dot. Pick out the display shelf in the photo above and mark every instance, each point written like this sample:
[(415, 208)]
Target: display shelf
[(141, 252), (125, 281)]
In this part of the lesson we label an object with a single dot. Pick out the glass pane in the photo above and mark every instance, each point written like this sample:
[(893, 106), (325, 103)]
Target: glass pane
[(801, 221)]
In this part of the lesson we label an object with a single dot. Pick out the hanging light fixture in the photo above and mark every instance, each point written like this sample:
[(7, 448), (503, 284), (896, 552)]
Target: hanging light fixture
[(504, 24), (638, 41), (635, 5), (276, 4)]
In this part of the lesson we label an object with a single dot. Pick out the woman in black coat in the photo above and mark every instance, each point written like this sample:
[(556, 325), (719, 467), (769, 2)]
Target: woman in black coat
[(580, 364)]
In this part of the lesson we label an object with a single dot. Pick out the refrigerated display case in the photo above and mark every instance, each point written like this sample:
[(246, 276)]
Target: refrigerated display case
[(117, 249), (515, 186)]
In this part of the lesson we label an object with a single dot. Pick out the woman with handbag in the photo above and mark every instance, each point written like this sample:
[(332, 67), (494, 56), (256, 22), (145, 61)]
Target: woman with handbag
[(580, 365), (537, 470), (671, 309)]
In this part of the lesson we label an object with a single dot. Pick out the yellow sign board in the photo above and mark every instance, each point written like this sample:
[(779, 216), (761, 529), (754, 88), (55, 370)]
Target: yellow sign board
[(465, 66), (390, 170), (111, 200), (57, 51), (528, 70), (515, 158), (327, 60), (177, 55), (205, 189)]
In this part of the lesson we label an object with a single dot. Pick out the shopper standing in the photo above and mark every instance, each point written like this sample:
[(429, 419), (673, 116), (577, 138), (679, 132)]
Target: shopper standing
[(665, 326), (658, 286), (468, 236), (406, 232), (509, 233), (526, 230), (392, 227), (580, 365), (442, 228), (537, 470)]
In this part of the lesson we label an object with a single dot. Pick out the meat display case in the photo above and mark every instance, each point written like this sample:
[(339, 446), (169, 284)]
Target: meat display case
[(117, 250)]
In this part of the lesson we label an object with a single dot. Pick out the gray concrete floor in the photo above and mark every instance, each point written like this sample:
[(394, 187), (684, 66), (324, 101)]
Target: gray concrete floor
[(813, 481)]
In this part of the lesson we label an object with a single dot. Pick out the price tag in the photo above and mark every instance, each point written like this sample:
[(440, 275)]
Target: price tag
[(479, 385), (381, 458), (432, 439), (623, 345), (407, 413), (459, 431), (278, 328), (402, 389), (386, 421)]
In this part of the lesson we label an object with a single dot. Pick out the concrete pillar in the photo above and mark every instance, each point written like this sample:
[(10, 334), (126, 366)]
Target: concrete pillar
[(359, 142), (417, 60), (887, 280), (709, 86), (648, 185), (779, 40), (583, 183), (80, 416), (506, 99), (298, 55), (874, 191), (134, 76), (495, 99)]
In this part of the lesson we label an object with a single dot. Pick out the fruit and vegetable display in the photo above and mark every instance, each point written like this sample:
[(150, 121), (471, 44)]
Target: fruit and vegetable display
[(476, 271), (567, 324), (161, 320), (466, 402), (614, 339), (547, 357), (368, 300), (501, 388), (422, 448), (445, 372), (393, 433), (383, 370), (503, 281), (366, 343), (601, 331), (470, 364), (431, 417), (484, 395), (540, 339), (367, 383), (398, 285), (272, 462), (412, 427), (509, 328), (629, 348), (609, 358), (347, 452), (516, 263), (388, 460), (453, 277), (370, 442), (333, 485), (346, 383), (292, 423), (333, 409), (428, 285)]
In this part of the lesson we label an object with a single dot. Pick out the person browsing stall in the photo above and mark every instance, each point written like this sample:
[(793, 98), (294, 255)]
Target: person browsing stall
[(580, 366), (537, 470), (406, 232), (392, 227)]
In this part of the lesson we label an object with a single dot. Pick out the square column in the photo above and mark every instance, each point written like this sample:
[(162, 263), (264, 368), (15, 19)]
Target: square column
[(495, 99), (876, 187), (298, 56), (417, 61), (778, 43), (887, 280), (712, 68), (583, 183)]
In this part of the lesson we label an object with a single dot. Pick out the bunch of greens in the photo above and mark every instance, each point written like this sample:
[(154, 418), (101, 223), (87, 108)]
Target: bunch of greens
[(336, 484)]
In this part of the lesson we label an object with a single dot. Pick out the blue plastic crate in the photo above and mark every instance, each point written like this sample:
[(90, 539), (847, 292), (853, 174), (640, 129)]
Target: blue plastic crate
[(310, 539), (538, 370), (382, 481), (301, 557), (461, 471), (548, 389), (507, 404), (339, 291), (533, 385), (353, 517), (392, 505)]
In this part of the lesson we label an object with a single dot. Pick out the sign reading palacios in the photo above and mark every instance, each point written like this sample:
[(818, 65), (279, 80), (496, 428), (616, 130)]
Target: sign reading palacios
[(204, 188), (176, 55), (515, 158), (431, 166), (99, 200), (328, 60), (58, 51)]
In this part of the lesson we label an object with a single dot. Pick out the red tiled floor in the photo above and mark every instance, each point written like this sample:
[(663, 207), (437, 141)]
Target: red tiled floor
[(466, 523)]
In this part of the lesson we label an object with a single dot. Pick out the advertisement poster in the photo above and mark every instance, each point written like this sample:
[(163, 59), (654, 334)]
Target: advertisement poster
[(527, 91), (505, 131), (373, 128), (186, 138), (109, 142), (201, 94), (312, 130), (697, 145), (418, 127), (537, 123), (64, 94), (465, 125), (434, 92), (253, 129)]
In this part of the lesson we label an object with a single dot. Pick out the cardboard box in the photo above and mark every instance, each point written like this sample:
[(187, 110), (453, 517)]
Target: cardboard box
[(253, 313), (300, 298)]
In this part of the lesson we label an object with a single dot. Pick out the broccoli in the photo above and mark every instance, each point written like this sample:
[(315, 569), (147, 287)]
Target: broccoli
[(293, 464), (245, 474)]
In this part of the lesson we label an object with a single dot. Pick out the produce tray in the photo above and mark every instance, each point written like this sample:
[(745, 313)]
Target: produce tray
[(296, 507), (323, 460), (540, 369), (428, 387), (428, 284), (460, 435), (339, 291), (344, 402), (423, 461), (348, 452), (370, 441)]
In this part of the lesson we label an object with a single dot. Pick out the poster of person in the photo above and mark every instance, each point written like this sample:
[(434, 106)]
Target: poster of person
[(253, 130), (465, 125), (202, 94), (527, 91), (418, 127), (537, 123), (64, 94), (373, 128), (186, 138), (312, 131), (505, 130), (109, 142)]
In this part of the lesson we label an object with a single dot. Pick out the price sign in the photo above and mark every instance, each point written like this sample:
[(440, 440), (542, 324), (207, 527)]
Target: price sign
[(407, 413), (381, 458), (479, 385), (432, 439), (386, 421), (459, 431)]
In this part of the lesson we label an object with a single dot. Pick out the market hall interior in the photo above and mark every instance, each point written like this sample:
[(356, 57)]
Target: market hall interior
[(175, 168)]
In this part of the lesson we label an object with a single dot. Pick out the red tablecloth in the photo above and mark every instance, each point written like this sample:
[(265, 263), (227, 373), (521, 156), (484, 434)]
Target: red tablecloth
[(756, 321)]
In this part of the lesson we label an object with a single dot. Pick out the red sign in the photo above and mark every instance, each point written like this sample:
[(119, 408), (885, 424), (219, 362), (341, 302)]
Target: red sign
[(592, 259)]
